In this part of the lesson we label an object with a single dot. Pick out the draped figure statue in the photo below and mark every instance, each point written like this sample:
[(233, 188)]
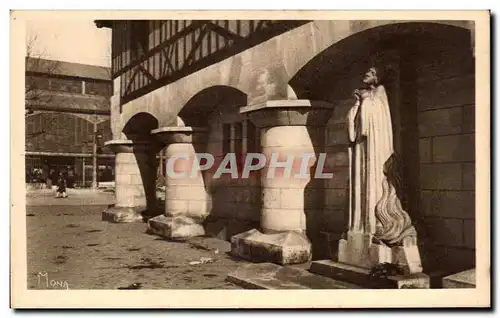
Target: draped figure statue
[(370, 131), (375, 210)]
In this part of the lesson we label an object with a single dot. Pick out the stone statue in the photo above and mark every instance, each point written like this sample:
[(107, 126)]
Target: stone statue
[(379, 229), (370, 132), (393, 223)]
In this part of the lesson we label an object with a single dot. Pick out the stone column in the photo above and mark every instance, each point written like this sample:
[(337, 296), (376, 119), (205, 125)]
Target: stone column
[(186, 200), (135, 188), (290, 129)]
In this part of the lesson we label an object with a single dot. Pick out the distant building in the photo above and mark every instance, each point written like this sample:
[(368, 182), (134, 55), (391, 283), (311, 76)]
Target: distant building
[(67, 111)]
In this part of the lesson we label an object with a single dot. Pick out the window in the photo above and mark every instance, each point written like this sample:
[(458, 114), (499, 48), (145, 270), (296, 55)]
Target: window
[(237, 142), (37, 82), (66, 85), (95, 88), (139, 39), (226, 139), (252, 138)]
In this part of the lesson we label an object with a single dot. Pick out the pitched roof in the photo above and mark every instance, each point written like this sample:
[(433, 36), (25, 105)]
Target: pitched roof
[(39, 65)]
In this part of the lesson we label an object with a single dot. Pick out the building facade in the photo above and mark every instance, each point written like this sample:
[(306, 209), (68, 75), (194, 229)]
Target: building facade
[(67, 120), (286, 86)]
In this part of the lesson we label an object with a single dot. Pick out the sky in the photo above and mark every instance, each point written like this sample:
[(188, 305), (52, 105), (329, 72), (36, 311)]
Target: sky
[(78, 41)]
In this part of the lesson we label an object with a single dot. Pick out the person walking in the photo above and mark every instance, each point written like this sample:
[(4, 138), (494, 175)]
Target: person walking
[(61, 187)]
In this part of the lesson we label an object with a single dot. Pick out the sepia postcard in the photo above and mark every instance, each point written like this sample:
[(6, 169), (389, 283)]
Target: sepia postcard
[(250, 159)]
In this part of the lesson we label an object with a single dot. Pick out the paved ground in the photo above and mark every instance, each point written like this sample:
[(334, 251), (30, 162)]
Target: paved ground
[(47, 197), (68, 241)]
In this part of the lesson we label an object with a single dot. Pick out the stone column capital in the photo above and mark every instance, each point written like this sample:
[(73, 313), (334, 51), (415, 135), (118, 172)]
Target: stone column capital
[(300, 112), (131, 146), (180, 135)]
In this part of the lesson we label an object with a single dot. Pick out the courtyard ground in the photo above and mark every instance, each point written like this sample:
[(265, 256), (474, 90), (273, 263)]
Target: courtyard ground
[(70, 247)]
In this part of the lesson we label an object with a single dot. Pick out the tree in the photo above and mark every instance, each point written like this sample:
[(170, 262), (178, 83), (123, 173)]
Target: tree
[(36, 92), (35, 88)]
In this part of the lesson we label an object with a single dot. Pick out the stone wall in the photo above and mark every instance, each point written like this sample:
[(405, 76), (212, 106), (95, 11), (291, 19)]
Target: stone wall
[(235, 202), (437, 114), (446, 104), (336, 199)]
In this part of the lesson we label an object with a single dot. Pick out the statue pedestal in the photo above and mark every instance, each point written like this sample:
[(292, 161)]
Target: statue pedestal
[(359, 250), (358, 255), (355, 250), (361, 276)]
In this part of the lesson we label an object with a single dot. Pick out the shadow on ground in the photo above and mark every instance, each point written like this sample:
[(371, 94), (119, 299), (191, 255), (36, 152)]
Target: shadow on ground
[(70, 247)]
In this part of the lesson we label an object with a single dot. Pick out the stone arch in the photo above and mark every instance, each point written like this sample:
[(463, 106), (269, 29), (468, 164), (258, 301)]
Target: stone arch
[(166, 102), (198, 108), (262, 72), (85, 117), (362, 49), (142, 161), (139, 126)]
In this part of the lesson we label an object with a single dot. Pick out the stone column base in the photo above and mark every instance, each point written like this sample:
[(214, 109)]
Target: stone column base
[(175, 227), (361, 276), (465, 279), (117, 214), (282, 248)]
